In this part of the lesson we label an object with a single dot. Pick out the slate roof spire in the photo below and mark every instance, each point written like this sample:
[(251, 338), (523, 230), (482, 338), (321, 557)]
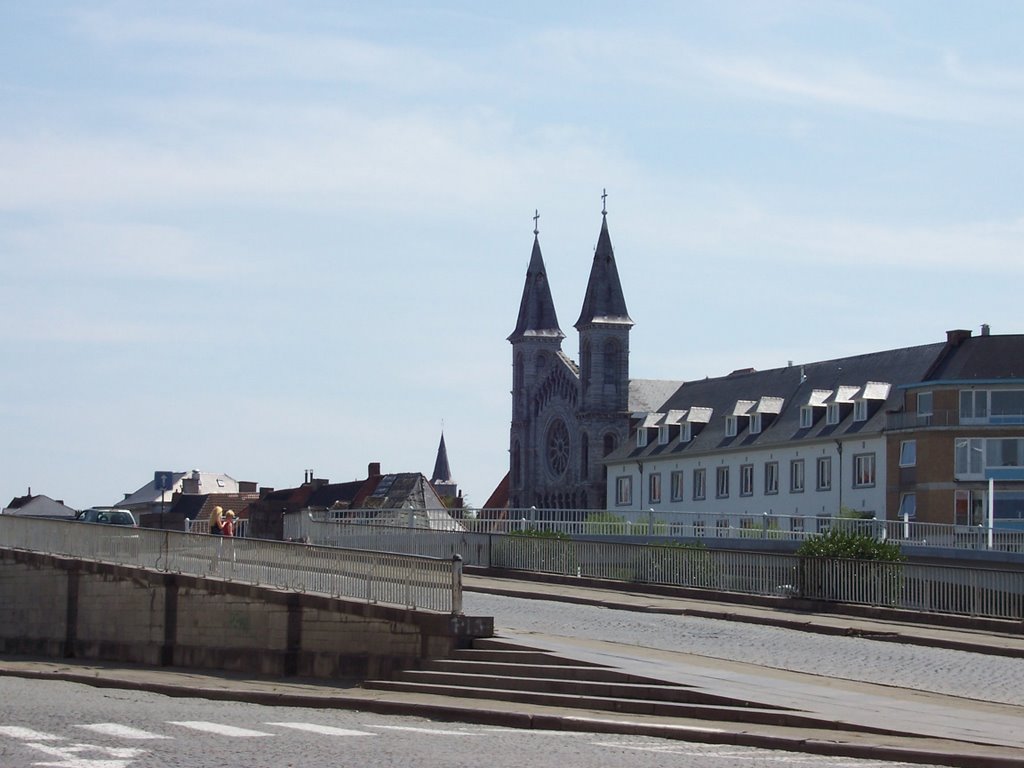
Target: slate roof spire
[(536, 309), (604, 301), (442, 472)]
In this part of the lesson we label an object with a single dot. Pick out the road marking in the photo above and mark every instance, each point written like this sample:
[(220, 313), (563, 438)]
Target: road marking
[(326, 730), (70, 755), (121, 731), (219, 729), (429, 731), (27, 734)]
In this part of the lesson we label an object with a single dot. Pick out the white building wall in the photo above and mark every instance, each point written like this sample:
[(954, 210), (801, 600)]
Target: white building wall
[(812, 501)]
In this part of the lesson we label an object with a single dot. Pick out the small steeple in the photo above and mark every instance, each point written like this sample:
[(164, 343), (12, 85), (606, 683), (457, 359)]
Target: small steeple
[(442, 472), (536, 309), (604, 301)]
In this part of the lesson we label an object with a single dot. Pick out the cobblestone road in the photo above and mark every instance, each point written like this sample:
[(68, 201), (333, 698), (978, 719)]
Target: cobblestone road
[(957, 673)]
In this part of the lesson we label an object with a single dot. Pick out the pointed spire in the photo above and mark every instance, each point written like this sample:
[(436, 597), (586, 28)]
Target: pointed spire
[(604, 301), (442, 472), (536, 309)]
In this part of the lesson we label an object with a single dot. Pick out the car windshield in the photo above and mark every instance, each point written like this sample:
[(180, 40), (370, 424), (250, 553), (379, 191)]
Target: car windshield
[(109, 516)]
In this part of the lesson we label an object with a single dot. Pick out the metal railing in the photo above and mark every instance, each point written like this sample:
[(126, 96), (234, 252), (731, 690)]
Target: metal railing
[(411, 581), (968, 591), (719, 525)]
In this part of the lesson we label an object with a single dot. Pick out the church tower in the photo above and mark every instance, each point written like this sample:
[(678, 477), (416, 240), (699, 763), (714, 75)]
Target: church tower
[(604, 325)]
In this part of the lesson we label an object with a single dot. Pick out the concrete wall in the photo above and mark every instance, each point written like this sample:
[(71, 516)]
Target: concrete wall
[(63, 608)]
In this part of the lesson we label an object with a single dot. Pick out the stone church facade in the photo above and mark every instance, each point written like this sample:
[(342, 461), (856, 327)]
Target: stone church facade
[(567, 416)]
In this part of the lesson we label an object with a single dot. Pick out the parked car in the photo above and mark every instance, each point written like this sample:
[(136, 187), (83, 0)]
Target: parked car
[(108, 516)]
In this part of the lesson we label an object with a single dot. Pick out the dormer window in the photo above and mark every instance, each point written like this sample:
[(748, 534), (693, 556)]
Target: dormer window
[(663, 435), (755, 424), (686, 433), (730, 426), (806, 417), (860, 410), (641, 438), (832, 414)]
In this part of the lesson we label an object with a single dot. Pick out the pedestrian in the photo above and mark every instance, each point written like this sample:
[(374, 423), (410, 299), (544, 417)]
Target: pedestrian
[(227, 527), (216, 521)]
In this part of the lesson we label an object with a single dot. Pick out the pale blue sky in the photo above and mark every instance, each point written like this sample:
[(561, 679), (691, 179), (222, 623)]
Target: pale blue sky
[(257, 238)]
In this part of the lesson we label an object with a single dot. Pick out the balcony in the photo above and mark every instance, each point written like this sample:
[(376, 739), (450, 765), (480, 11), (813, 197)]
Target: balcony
[(938, 418)]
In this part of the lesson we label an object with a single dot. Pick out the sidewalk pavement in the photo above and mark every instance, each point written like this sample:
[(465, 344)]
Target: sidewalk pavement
[(917, 728)]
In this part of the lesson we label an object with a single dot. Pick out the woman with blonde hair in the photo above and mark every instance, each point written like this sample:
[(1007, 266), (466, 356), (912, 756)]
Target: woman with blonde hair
[(216, 521)]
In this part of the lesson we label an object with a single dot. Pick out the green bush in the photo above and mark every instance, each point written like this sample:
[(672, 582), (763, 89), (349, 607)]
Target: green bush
[(850, 545)]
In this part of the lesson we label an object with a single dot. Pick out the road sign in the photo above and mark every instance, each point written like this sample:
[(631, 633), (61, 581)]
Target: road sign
[(163, 481)]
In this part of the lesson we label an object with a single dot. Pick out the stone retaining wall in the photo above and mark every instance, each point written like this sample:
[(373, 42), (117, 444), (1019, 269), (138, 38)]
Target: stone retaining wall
[(64, 608)]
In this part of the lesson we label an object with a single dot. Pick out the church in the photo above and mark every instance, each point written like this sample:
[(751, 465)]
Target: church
[(933, 432), (568, 416)]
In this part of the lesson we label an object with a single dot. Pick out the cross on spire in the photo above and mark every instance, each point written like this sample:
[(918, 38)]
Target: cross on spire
[(604, 199), (536, 216)]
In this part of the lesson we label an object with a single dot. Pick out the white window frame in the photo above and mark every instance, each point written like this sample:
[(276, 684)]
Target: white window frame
[(832, 414), (771, 478), (731, 426), (755, 424), (908, 453), (686, 433), (746, 480), (797, 476), (722, 482), (654, 488), (823, 473), (624, 490), (700, 484), (678, 481), (864, 468), (641, 438), (860, 410), (806, 417), (663, 435)]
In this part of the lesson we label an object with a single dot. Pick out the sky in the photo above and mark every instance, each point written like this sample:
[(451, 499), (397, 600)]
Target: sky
[(258, 238)]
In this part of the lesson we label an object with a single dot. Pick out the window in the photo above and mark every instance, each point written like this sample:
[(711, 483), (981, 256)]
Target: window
[(924, 403), (755, 424), (722, 483), (747, 480), (676, 479), (654, 488), (730, 426), (908, 453), (824, 473), (700, 479), (860, 410), (864, 470), (685, 434), (969, 458), (771, 477), (908, 506), (974, 404), (969, 508), (832, 414), (1007, 406), (806, 417), (796, 476), (641, 438), (663, 435), (624, 490)]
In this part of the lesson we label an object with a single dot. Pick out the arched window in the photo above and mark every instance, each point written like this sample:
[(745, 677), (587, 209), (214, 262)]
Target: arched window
[(517, 469), (585, 365), (584, 457), (540, 362), (609, 443)]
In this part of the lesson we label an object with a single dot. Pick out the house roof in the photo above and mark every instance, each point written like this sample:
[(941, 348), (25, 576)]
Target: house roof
[(537, 315), (980, 358), (789, 388), (604, 301)]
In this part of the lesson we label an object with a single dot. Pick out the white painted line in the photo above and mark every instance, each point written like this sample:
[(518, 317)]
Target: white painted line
[(219, 729), (27, 734), (121, 731), (326, 730), (429, 731)]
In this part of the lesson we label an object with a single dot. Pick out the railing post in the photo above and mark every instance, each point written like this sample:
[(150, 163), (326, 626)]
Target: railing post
[(456, 585)]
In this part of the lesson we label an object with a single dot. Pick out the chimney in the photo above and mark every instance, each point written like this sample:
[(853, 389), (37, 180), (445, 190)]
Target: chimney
[(956, 338), (985, 330), (373, 470)]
